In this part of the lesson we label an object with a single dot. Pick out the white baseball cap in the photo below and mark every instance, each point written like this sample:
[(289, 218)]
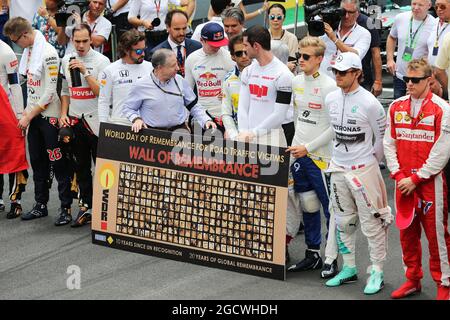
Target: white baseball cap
[(347, 60)]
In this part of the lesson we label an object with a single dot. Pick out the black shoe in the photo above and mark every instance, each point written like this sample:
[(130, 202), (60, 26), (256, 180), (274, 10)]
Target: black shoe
[(84, 217), (312, 261), (382, 165), (288, 257), (2, 207), (39, 211), (301, 229), (329, 270), (15, 211), (64, 218)]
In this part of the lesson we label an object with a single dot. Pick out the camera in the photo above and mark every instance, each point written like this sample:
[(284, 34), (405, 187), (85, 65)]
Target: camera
[(318, 12), (67, 7)]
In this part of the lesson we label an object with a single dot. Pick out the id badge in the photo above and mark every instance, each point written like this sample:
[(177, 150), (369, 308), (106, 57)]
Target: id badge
[(435, 51), (407, 54)]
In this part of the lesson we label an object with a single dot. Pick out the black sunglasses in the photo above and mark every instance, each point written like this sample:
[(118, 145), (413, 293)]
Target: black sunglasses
[(342, 73), (305, 56), (414, 80), (240, 53)]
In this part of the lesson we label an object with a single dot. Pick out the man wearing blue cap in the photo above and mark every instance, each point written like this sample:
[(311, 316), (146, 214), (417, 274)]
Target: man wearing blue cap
[(206, 69)]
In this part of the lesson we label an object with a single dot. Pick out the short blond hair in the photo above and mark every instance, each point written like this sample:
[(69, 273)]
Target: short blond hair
[(317, 43), (420, 65), (16, 27)]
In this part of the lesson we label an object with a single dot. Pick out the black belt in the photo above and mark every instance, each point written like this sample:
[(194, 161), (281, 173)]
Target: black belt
[(180, 126)]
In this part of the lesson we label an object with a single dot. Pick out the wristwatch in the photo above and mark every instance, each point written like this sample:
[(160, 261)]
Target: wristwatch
[(87, 74)]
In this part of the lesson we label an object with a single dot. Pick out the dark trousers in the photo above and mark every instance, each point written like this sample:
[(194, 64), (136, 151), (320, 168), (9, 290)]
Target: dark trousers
[(17, 184), (84, 151), (44, 151), (399, 88)]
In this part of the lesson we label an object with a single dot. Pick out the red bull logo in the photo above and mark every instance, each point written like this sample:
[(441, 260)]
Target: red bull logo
[(218, 36), (207, 76)]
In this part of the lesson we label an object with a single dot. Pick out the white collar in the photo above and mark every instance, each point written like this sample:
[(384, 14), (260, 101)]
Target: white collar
[(174, 45)]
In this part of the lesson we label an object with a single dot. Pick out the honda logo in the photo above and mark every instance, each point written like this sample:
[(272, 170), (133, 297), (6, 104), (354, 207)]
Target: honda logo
[(124, 73)]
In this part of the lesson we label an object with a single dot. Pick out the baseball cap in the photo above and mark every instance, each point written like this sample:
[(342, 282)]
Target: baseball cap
[(214, 35), (347, 60)]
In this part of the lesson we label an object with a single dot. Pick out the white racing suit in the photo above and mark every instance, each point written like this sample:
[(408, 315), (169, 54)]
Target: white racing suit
[(359, 195)]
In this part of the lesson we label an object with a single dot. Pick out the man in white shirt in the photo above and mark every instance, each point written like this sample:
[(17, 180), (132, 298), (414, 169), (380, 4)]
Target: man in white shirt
[(100, 27), (118, 78), (265, 93), (410, 32), (206, 70), (349, 37)]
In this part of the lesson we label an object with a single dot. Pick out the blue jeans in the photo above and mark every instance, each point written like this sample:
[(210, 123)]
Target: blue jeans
[(399, 88)]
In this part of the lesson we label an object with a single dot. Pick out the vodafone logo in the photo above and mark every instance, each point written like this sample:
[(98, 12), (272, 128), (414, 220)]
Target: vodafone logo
[(82, 93)]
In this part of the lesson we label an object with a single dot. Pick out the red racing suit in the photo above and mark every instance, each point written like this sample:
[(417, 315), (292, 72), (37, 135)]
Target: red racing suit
[(419, 148)]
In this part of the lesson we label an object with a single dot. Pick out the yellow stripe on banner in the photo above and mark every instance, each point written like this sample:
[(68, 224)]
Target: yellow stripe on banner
[(289, 3)]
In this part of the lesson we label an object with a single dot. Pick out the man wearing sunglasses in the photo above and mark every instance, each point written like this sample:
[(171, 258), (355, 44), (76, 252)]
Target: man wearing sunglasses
[(410, 31), (311, 152), (118, 78), (79, 110), (349, 37), (232, 86), (358, 192), (417, 147)]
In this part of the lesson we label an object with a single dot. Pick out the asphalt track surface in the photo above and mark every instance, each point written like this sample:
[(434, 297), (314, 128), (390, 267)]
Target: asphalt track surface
[(35, 256)]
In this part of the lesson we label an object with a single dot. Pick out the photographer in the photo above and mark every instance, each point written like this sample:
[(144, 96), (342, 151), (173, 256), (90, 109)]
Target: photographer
[(100, 27), (349, 37), (44, 21), (151, 17)]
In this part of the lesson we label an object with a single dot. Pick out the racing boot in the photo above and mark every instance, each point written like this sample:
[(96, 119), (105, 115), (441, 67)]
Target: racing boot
[(64, 218), (347, 275), (312, 261), (443, 293), (375, 282), (15, 211), (84, 217), (329, 270), (406, 289), (39, 210)]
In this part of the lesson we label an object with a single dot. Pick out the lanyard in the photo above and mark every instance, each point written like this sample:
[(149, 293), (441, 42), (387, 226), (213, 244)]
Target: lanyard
[(345, 35), (412, 37), (158, 7), (180, 94), (439, 34)]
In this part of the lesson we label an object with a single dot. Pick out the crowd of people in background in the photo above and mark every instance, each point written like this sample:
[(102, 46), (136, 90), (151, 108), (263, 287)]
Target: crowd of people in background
[(315, 96)]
